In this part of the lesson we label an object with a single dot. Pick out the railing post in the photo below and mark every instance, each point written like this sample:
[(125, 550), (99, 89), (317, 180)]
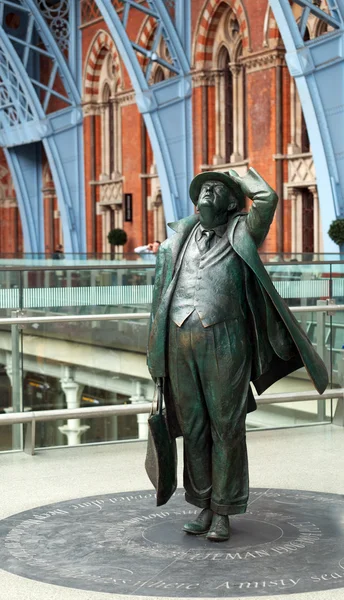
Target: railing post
[(142, 420), (338, 418), (16, 380), (30, 437), (321, 350)]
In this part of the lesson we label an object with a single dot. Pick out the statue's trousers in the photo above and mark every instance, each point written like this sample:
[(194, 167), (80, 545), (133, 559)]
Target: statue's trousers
[(209, 370)]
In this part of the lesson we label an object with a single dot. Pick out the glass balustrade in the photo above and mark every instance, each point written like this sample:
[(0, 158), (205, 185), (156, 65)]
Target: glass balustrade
[(96, 363)]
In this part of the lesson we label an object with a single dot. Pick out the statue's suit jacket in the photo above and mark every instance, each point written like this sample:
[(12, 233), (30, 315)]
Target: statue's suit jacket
[(279, 345)]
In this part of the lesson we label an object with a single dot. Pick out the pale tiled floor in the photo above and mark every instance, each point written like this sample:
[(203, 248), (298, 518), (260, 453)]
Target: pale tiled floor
[(306, 458)]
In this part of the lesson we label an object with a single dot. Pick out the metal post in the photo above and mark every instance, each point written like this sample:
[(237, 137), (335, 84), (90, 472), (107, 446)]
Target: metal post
[(16, 380), (30, 437), (321, 350)]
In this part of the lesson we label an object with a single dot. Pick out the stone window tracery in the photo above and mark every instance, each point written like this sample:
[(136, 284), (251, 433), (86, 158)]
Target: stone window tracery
[(229, 91)]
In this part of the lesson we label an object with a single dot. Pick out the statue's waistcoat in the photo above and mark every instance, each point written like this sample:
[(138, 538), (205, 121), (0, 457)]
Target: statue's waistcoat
[(210, 283), (277, 315)]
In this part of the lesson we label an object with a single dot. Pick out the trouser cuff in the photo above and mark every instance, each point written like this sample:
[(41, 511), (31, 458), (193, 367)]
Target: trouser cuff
[(228, 509), (200, 502)]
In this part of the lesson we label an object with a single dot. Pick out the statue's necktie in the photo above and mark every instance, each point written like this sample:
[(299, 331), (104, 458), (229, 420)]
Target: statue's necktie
[(205, 241)]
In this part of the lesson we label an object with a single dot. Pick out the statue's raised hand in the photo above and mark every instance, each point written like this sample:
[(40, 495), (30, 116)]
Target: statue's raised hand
[(250, 184)]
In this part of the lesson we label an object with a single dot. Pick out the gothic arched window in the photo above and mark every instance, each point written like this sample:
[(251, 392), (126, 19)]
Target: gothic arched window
[(229, 91)]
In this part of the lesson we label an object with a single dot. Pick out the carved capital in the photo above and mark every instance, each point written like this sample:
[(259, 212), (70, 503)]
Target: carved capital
[(126, 97), (264, 60), (235, 69), (314, 190), (91, 108), (293, 192), (203, 78)]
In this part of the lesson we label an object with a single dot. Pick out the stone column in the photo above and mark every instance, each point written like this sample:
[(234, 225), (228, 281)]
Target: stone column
[(72, 390), (316, 224), (238, 108), (293, 194), (293, 148), (142, 420), (219, 119), (159, 219)]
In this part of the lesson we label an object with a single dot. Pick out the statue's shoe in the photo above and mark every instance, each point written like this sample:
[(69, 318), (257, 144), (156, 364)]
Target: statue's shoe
[(201, 524), (219, 529)]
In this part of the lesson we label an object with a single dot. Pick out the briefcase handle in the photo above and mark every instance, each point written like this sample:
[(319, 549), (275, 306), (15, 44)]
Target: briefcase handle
[(158, 399)]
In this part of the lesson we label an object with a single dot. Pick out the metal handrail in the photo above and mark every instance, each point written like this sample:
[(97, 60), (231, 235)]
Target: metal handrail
[(319, 308), (58, 265), (67, 318), (32, 417), (140, 408), (75, 413), (81, 264), (20, 320)]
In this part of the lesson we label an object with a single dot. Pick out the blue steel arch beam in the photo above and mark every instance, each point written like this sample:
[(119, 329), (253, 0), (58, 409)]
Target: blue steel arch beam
[(27, 179), (60, 132), (166, 107), (25, 174), (318, 68)]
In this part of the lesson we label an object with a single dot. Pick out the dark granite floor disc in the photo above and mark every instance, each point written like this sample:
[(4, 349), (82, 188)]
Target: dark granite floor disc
[(288, 542)]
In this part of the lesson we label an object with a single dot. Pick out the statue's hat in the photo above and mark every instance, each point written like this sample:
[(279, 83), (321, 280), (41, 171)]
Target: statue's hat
[(197, 182)]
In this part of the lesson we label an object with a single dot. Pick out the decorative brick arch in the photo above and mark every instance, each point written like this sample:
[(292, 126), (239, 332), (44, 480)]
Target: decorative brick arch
[(99, 48), (6, 181), (145, 37), (206, 30)]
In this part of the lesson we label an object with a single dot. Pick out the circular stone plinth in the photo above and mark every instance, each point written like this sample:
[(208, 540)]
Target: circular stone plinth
[(288, 542)]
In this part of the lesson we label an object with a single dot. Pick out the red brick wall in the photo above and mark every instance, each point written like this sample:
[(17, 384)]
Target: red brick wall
[(11, 236)]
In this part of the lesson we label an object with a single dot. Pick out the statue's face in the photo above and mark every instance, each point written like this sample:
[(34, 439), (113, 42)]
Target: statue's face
[(215, 195)]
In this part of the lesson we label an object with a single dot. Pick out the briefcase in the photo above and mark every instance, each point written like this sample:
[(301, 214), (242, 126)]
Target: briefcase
[(161, 457)]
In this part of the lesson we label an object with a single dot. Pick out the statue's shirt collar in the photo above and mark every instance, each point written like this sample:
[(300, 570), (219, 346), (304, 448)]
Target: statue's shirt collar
[(220, 230)]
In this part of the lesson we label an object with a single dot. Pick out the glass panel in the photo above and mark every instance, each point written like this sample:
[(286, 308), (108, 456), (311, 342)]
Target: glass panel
[(301, 284), (87, 364), (77, 362), (88, 291), (10, 362), (317, 325), (97, 363)]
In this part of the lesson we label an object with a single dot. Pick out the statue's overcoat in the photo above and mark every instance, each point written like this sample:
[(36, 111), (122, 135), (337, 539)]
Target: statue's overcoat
[(279, 344)]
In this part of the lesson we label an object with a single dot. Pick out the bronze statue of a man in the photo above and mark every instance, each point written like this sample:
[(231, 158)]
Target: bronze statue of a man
[(218, 324)]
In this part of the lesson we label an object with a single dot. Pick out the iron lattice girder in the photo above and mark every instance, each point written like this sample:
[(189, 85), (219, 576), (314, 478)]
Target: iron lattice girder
[(166, 106), (38, 34), (318, 68), (151, 53), (60, 131), (312, 9)]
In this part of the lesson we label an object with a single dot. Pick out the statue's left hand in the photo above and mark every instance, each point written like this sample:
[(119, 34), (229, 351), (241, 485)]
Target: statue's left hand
[(250, 184)]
